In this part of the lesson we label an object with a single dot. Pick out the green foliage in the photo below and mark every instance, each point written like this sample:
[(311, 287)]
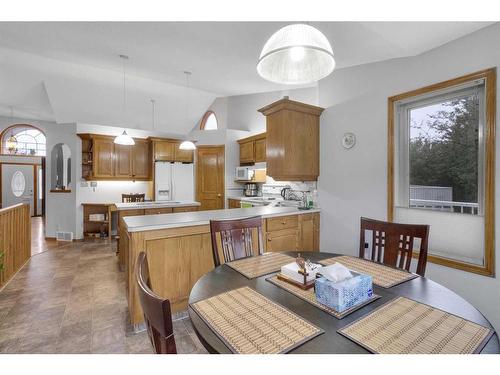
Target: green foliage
[(448, 154), (1, 261)]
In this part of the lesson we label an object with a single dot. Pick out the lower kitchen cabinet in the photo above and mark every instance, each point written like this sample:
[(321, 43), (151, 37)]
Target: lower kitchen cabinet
[(233, 203), (292, 233), (185, 209)]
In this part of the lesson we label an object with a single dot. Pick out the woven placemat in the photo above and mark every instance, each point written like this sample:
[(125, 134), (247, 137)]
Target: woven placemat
[(310, 296), (404, 326), (383, 276), (261, 265), (249, 323)]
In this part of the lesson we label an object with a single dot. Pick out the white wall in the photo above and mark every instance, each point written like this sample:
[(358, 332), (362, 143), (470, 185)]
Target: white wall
[(353, 182), (55, 218)]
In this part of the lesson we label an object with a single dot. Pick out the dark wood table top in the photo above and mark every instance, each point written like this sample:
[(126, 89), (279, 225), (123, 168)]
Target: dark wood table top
[(224, 278)]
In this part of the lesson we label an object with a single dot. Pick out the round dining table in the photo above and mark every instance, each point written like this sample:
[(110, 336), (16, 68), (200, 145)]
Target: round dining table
[(421, 289)]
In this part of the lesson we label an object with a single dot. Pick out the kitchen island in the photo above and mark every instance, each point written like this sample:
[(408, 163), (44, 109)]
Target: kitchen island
[(147, 208), (179, 250)]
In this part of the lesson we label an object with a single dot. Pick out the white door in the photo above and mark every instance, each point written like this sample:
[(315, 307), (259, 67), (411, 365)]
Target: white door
[(18, 185), (183, 182)]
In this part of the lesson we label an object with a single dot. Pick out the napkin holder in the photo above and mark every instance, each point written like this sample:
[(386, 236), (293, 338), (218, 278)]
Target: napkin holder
[(343, 295)]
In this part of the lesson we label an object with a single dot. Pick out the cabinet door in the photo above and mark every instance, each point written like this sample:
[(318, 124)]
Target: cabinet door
[(141, 163), (247, 152), (184, 156), (282, 240), (233, 203), (164, 150), (260, 150), (123, 160), (103, 166)]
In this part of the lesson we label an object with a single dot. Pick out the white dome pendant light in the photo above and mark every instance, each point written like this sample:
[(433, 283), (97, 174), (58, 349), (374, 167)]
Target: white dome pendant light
[(296, 54), (124, 138), (187, 145)]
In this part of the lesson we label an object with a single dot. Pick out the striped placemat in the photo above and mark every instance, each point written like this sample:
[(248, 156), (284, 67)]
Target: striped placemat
[(404, 326), (310, 296), (261, 265), (249, 323), (383, 276)]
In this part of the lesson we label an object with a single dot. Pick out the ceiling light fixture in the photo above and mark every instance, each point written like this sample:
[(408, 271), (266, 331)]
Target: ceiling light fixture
[(124, 138), (187, 144), (296, 54)]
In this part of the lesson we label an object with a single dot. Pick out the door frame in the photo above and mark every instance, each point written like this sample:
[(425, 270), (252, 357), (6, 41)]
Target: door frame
[(35, 183), (197, 191)]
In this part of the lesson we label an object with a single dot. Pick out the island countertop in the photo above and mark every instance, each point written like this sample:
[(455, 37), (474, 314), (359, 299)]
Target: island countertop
[(184, 219), (154, 204)]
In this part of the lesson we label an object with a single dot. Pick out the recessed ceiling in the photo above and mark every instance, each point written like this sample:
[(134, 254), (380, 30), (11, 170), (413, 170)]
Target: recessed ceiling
[(221, 55)]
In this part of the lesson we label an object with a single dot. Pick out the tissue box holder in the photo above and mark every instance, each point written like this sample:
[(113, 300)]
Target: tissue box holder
[(346, 294)]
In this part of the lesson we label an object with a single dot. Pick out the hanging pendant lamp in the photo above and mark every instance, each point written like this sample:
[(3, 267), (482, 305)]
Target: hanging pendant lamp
[(296, 54), (187, 144), (124, 138)]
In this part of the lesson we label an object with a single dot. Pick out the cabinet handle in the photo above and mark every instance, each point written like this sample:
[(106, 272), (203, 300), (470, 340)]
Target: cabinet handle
[(269, 240), (283, 222)]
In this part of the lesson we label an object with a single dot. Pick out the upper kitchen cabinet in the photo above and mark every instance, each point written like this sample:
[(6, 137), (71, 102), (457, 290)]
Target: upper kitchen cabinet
[(141, 159), (184, 156), (163, 150), (253, 149), (292, 140), (102, 159), (168, 150), (103, 162)]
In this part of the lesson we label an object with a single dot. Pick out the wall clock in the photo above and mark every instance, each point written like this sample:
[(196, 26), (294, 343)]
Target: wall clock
[(348, 140)]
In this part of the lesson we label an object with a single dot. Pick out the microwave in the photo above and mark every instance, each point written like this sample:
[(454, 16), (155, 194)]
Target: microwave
[(244, 174)]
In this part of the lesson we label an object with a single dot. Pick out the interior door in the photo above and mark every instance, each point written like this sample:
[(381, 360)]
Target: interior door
[(18, 185), (210, 177)]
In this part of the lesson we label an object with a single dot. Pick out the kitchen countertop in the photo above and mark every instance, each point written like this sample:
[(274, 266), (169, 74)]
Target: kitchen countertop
[(186, 219), (156, 204)]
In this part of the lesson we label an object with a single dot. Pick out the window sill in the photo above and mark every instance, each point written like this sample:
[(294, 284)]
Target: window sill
[(487, 270)]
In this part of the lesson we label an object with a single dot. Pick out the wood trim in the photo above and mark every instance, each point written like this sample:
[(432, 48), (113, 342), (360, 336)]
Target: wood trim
[(290, 105), (489, 75), (205, 117), (252, 138)]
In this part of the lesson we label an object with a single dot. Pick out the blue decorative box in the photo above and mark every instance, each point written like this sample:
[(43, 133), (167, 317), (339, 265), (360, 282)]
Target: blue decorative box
[(343, 295)]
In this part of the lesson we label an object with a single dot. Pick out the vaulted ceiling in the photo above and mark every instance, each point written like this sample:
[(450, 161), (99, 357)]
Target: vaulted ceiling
[(70, 72)]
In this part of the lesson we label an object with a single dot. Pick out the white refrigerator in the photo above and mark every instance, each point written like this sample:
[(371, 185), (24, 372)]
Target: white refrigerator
[(174, 181)]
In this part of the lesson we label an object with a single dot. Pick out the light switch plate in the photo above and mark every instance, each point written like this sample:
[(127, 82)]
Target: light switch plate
[(93, 183), (84, 184)]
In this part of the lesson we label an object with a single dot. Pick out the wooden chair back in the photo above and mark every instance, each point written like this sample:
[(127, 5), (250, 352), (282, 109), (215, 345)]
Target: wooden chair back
[(157, 313), (236, 238), (392, 243), (130, 198)]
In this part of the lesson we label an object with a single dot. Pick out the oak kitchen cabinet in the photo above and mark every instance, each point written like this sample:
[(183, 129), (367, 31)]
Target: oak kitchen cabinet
[(253, 149), (293, 232), (165, 149), (102, 159), (292, 140), (233, 203)]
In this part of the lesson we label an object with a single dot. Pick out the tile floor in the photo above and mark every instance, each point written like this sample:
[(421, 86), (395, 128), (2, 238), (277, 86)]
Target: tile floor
[(72, 300)]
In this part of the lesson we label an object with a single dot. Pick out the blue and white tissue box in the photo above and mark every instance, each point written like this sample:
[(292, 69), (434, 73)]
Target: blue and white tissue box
[(343, 295)]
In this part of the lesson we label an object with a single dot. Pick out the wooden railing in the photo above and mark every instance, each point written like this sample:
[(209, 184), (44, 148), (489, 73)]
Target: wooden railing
[(15, 239)]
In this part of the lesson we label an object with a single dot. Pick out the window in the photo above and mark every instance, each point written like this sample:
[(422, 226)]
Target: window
[(18, 184), (441, 148), (440, 166), (209, 121), (23, 140)]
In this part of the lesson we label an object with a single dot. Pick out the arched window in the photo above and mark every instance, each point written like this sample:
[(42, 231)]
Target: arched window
[(23, 139), (209, 121)]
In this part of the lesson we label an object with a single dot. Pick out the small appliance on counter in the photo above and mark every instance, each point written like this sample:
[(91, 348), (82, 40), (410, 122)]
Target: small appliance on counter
[(252, 189)]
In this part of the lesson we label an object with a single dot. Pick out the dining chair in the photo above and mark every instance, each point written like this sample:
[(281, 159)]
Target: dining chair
[(157, 313), (392, 243), (131, 198), (236, 238)]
